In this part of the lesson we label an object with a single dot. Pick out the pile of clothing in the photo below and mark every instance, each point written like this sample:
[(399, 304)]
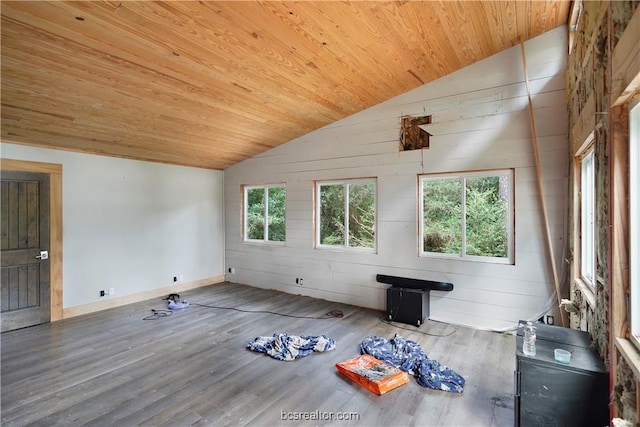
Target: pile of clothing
[(398, 352), (408, 356), (291, 347)]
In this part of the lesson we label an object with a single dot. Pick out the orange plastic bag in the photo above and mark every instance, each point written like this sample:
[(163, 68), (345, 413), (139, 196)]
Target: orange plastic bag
[(373, 374)]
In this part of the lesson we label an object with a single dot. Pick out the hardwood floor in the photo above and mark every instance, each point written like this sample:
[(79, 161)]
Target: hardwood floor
[(113, 368)]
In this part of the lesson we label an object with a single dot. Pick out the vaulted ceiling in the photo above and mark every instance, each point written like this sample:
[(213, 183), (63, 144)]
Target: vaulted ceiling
[(211, 83)]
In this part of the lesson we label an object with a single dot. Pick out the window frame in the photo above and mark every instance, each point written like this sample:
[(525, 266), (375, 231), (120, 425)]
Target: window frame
[(510, 174), (245, 211), (587, 230), (317, 220), (634, 218)]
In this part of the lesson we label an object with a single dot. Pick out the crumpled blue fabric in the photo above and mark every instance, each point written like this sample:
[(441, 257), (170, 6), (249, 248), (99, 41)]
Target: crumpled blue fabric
[(409, 356), (290, 347)]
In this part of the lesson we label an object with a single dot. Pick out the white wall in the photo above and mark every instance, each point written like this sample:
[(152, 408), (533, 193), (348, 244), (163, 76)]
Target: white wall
[(133, 225), (481, 121)]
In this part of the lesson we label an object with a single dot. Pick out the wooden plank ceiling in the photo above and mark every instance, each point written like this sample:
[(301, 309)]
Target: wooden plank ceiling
[(211, 83)]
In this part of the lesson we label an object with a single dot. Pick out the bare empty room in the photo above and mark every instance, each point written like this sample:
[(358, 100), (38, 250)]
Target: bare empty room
[(358, 213)]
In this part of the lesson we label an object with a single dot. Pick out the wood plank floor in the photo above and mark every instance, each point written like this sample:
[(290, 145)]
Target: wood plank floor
[(113, 368)]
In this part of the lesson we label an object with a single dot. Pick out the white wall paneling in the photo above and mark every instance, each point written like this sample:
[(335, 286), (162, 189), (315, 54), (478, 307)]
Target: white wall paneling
[(480, 121)]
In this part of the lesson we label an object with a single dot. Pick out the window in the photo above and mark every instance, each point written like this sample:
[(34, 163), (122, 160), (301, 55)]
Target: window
[(634, 220), (264, 213), (468, 215), (587, 218), (346, 214)]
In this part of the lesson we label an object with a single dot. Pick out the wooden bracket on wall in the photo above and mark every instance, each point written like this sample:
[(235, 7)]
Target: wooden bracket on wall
[(536, 151)]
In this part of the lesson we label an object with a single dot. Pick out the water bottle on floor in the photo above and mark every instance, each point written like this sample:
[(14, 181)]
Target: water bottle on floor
[(529, 340)]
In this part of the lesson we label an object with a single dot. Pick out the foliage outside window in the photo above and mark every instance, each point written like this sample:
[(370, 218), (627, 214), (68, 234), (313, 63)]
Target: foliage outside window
[(587, 218), (634, 221), (468, 215), (346, 214), (264, 213)]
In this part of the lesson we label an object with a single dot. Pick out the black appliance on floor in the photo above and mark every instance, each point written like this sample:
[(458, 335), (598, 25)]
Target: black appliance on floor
[(550, 393), (408, 299), (410, 306)]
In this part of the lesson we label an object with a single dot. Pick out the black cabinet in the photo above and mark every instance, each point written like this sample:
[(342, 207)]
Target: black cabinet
[(548, 393)]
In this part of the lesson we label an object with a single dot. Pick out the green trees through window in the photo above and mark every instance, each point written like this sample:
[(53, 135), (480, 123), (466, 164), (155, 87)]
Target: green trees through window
[(265, 213), (347, 214), (467, 215), (442, 213), (463, 215)]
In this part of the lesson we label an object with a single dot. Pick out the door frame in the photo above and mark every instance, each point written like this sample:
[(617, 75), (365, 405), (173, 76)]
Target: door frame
[(54, 171)]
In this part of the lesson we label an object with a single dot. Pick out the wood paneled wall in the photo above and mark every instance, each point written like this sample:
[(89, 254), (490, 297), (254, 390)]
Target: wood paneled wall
[(480, 121)]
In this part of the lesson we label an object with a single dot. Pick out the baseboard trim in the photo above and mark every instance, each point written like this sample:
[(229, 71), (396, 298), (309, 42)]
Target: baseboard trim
[(142, 296)]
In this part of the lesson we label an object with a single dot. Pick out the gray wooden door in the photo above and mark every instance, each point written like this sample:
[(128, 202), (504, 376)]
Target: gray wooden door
[(24, 234)]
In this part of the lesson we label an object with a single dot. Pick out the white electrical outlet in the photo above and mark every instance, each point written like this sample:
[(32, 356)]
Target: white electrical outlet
[(181, 278), (112, 291)]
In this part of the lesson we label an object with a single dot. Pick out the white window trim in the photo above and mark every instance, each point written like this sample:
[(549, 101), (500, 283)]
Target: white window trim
[(344, 247), (245, 219), (463, 256), (634, 218), (588, 228)]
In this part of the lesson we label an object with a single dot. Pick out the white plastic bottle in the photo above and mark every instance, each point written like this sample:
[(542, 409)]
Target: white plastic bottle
[(529, 340)]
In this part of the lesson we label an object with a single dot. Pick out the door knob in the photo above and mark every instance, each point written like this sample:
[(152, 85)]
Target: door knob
[(43, 255)]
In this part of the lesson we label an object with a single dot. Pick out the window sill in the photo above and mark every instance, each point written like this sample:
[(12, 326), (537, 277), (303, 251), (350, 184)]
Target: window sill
[(345, 249), (630, 353), (263, 243), (587, 292), (469, 258)]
